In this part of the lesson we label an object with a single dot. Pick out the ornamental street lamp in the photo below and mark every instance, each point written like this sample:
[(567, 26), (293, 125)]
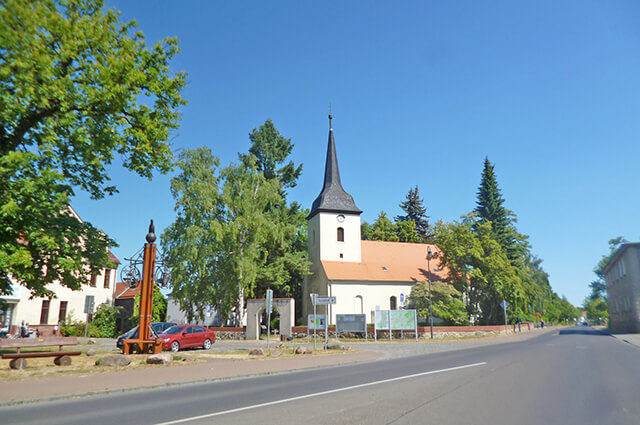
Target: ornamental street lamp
[(429, 255)]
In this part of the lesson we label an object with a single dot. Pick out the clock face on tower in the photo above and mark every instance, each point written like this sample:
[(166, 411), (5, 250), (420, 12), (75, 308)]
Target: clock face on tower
[(340, 218)]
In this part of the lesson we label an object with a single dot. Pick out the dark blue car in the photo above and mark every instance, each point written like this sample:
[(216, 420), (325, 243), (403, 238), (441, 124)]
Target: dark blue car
[(157, 328)]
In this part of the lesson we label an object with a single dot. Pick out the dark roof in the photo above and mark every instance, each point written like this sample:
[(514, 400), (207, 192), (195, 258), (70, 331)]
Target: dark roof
[(618, 254), (333, 198)]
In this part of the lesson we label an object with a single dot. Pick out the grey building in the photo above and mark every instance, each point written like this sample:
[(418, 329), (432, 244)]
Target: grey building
[(622, 274)]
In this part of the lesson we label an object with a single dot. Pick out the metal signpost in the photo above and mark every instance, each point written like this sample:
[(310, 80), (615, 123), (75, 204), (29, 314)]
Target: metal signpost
[(88, 309), (326, 301), (504, 305), (313, 301), (269, 307)]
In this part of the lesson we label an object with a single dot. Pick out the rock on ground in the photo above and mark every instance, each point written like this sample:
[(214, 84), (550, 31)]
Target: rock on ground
[(91, 352), (161, 358), (113, 360), (256, 352), (334, 344), (303, 350)]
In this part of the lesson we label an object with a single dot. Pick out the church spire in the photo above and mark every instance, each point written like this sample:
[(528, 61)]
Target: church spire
[(333, 198)]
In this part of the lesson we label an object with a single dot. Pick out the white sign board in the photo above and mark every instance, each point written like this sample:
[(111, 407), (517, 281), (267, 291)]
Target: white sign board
[(324, 300), (269, 300)]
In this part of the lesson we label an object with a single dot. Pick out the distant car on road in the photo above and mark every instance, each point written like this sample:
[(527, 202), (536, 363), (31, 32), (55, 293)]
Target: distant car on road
[(157, 327), (185, 336)]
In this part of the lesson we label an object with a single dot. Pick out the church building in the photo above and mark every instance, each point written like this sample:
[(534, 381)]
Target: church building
[(363, 275)]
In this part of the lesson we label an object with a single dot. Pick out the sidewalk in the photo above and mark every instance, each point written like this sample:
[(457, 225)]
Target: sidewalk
[(633, 339), (56, 387)]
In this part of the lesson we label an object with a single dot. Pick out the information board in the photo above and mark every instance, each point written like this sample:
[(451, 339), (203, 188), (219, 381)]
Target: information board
[(351, 322), (316, 323), (395, 320), (403, 319), (382, 320)]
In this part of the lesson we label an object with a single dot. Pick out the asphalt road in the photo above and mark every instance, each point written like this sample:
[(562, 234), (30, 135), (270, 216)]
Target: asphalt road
[(569, 376)]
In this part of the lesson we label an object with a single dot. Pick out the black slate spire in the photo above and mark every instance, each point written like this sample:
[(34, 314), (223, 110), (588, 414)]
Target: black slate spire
[(333, 198)]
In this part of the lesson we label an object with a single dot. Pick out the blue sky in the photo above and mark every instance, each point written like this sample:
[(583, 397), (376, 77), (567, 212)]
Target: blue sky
[(421, 92)]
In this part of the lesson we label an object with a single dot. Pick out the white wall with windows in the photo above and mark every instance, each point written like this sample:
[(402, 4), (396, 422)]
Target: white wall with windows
[(66, 303)]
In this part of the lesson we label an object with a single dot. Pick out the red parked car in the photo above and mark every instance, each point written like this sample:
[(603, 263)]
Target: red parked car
[(184, 336)]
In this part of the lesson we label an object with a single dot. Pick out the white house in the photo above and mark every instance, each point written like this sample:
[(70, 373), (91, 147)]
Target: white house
[(45, 313), (362, 275)]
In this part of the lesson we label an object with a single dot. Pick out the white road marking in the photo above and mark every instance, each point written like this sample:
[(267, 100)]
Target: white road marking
[(302, 397)]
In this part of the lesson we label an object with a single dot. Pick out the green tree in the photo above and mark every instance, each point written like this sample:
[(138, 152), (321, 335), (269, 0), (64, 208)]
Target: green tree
[(596, 303), (383, 229), (104, 321), (415, 212), (77, 87), (447, 302), (597, 310), (366, 231), (407, 232), (159, 307), (271, 150), (478, 267), (490, 208), (286, 263), (219, 246)]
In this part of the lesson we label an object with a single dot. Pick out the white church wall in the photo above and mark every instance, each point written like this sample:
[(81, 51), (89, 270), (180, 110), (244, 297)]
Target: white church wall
[(362, 297), (330, 247)]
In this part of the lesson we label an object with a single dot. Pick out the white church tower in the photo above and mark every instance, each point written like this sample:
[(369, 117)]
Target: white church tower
[(334, 220), (334, 227)]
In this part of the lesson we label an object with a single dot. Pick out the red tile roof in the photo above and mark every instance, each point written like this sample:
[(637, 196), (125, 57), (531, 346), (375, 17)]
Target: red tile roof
[(113, 258), (123, 291), (388, 261)]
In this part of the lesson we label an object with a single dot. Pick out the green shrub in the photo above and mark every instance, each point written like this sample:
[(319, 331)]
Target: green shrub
[(76, 328), (104, 321)]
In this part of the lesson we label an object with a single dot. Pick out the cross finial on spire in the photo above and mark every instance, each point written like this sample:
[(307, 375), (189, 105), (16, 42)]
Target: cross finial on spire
[(330, 118)]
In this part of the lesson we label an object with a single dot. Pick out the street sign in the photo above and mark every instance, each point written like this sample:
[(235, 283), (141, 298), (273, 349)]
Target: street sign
[(88, 304), (401, 298), (269, 300), (504, 305), (269, 306), (324, 300)]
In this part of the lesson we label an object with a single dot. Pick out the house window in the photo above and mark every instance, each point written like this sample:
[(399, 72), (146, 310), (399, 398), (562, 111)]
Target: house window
[(62, 314), (393, 303), (44, 313), (94, 280), (107, 277), (340, 234)]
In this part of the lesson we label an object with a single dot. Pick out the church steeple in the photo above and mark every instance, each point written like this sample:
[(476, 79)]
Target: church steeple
[(333, 198)]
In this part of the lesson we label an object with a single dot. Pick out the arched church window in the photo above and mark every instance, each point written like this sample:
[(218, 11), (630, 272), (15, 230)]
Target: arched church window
[(359, 304), (340, 234), (393, 303)]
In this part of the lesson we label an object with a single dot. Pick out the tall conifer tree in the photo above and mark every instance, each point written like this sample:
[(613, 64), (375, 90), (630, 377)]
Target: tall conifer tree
[(489, 206), (415, 212)]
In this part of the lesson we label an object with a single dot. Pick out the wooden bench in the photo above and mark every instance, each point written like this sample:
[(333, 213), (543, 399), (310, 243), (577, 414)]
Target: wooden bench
[(62, 358), (151, 346)]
